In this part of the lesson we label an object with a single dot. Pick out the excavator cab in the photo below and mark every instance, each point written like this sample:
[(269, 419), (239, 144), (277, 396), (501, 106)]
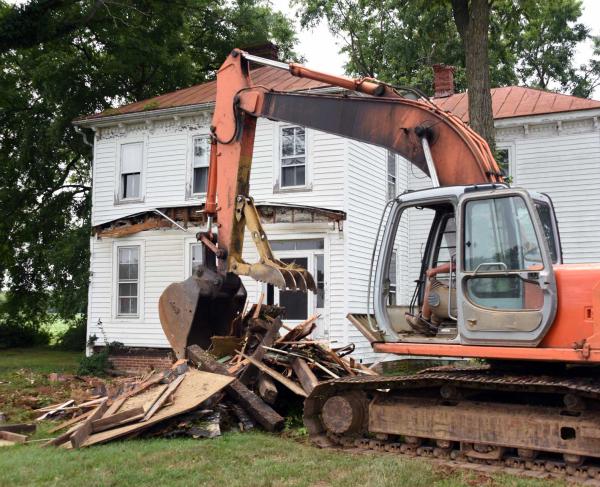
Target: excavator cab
[(483, 274)]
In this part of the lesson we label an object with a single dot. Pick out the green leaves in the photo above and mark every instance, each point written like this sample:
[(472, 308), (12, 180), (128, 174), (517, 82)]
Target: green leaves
[(63, 59)]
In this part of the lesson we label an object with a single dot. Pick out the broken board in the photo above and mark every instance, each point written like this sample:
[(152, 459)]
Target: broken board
[(196, 388)]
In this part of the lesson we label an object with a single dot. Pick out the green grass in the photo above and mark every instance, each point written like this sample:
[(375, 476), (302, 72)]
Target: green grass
[(249, 459)]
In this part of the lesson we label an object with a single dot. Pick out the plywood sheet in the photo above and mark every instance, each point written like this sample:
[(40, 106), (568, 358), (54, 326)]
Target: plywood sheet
[(196, 388)]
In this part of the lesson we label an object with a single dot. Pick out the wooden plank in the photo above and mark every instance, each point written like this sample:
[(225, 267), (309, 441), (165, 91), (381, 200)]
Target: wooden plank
[(267, 388), (196, 388), (249, 375), (300, 331), (70, 422), (19, 428), (118, 419), (164, 396), (305, 375), (14, 437), (53, 411), (118, 401), (291, 385), (85, 430), (66, 436), (258, 409), (256, 313)]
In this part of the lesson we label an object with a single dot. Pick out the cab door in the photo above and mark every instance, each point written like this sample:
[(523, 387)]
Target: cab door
[(505, 281)]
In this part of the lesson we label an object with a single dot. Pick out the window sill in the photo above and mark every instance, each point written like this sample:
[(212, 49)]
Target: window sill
[(293, 189), (128, 201)]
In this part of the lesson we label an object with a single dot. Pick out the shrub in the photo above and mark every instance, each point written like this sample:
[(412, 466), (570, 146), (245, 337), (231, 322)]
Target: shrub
[(14, 333), (74, 337), (95, 364)]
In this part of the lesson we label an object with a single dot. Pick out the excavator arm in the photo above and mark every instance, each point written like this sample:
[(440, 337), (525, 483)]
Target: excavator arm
[(374, 112), (435, 141)]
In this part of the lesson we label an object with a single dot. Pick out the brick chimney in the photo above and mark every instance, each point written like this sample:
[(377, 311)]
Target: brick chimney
[(443, 80), (265, 49)]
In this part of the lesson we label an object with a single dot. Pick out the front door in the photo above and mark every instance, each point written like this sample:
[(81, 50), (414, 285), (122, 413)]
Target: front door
[(506, 286), (301, 305)]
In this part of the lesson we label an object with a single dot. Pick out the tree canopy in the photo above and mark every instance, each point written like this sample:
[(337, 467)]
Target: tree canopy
[(65, 58), (530, 42)]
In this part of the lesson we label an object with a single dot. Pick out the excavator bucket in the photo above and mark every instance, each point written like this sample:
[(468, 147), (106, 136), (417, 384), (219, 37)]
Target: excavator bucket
[(204, 305)]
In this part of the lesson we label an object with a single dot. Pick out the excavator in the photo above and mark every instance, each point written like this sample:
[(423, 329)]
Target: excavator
[(492, 286)]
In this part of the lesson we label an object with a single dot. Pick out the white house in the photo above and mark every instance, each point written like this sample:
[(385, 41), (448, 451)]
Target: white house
[(320, 197)]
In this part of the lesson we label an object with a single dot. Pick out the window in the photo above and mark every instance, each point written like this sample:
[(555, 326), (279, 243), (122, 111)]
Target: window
[(200, 162), (392, 168), (132, 155), (293, 157), (503, 159), (304, 244), (393, 292), (320, 280), (128, 280), (196, 259)]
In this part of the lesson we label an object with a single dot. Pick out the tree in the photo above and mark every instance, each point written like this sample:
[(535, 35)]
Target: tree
[(128, 50), (588, 76), (399, 41), (472, 19)]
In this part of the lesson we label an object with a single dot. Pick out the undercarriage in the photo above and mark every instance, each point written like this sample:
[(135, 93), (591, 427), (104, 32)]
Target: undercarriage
[(482, 414)]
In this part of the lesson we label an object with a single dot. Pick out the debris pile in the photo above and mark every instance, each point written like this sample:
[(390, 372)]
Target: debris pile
[(244, 379)]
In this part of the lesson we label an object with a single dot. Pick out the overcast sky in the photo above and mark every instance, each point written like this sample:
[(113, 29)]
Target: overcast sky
[(321, 49)]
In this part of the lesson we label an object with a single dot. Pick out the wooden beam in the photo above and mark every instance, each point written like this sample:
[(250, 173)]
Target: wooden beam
[(14, 437), (291, 385), (118, 419), (70, 422), (19, 428), (267, 388), (258, 409), (306, 376), (164, 396), (85, 430)]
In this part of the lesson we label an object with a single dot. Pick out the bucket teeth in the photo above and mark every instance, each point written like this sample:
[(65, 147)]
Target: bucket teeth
[(284, 276)]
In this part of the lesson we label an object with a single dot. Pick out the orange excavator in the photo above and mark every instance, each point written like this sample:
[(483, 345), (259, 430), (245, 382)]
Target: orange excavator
[(492, 286)]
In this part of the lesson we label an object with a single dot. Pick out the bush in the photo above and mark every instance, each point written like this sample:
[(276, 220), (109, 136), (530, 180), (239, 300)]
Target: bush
[(95, 364), (74, 337), (22, 334)]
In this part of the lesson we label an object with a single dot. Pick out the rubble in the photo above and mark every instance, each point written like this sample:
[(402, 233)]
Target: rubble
[(245, 380)]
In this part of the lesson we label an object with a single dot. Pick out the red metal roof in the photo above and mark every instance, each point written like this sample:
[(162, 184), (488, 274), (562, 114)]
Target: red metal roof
[(509, 101), (518, 101), (272, 78)]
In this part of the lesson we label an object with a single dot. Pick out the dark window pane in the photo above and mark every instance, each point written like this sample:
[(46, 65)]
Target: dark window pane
[(295, 302), (545, 214), (320, 280), (200, 180), (197, 256), (304, 244), (131, 185), (287, 145), (299, 143), (504, 161), (288, 176), (300, 176)]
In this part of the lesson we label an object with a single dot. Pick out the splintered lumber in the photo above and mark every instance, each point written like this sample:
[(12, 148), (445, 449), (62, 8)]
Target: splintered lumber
[(85, 430), (258, 409), (300, 331), (306, 376), (196, 388), (12, 437), (164, 396), (267, 388), (55, 410), (19, 428), (249, 374), (258, 305), (291, 385), (70, 422), (124, 417), (118, 402)]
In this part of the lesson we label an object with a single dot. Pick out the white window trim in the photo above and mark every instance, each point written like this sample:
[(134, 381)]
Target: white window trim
[(115, 281), (131, 140), (387, 175), (187, 252), (512, 163), (308, 135), (189, 185)]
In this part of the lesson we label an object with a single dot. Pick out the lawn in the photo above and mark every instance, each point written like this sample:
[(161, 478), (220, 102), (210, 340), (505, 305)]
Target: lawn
[(249, 459)]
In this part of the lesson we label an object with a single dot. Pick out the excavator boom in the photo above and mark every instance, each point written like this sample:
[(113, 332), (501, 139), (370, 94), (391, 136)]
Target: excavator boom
[(373, 112)]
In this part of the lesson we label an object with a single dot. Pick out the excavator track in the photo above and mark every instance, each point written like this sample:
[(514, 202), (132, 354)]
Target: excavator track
[(475, 416)]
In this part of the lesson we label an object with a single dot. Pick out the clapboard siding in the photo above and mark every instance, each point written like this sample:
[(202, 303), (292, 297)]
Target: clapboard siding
[(566, 166)]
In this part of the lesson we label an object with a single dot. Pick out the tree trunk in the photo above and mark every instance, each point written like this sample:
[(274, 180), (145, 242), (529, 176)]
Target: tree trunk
[(472, 20)]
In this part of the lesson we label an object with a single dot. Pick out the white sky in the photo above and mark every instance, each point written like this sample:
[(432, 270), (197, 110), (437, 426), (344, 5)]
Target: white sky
[(320, 47)]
